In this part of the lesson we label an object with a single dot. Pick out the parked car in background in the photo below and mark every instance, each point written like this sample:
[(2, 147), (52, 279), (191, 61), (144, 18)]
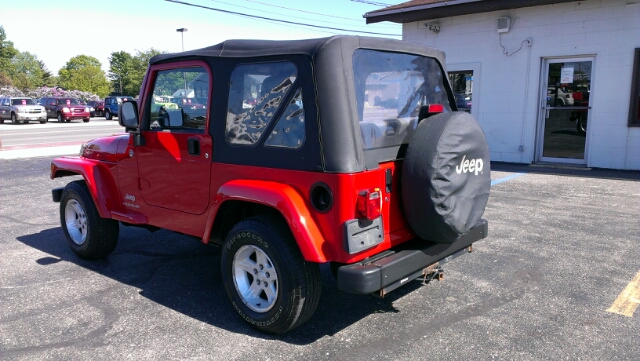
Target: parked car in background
[(559, 98), (463, 102), (98, 105), (21, 109), (111, 105), (66, 109), (92, 110)]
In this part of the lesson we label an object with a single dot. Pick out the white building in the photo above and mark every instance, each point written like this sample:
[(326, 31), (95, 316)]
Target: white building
[(542, 73)]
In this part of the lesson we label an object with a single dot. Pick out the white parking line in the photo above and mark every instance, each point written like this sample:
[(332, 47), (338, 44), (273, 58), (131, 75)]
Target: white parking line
[(40, 152)]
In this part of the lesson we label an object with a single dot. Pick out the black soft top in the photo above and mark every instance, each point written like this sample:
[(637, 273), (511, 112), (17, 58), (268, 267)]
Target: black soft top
[(340, 148), (310, 47)]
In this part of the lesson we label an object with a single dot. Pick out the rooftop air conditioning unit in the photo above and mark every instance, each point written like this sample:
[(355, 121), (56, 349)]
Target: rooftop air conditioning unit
[(504, 24)]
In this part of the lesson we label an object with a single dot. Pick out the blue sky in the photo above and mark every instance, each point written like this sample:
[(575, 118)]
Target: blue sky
[(56, 31)]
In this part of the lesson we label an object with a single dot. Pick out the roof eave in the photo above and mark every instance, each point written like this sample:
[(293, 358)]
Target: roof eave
[(448, 8)]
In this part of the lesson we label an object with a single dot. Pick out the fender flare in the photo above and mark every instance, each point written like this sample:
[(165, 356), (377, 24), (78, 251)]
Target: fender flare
[(97, 176), (287, 201)]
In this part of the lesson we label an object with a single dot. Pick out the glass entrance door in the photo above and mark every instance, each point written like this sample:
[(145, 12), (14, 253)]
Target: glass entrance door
[(566, 87)]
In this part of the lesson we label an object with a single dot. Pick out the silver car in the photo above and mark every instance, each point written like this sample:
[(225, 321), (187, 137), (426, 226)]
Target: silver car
[(21, 109)]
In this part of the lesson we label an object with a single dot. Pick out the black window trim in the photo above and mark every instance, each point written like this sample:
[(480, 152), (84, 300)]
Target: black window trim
[(634, 104)]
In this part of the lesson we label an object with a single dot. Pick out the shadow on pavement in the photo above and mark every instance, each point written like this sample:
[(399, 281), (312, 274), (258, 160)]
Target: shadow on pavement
[(183, 274)]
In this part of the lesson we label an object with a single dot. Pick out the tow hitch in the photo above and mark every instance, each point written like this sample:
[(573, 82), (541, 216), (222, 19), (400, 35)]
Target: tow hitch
[(428, 274)]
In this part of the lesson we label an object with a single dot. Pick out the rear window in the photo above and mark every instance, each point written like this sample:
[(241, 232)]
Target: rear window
[(390, 89)]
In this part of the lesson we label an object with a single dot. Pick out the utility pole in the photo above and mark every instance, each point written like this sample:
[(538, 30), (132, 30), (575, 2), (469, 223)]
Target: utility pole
[(181, 31)]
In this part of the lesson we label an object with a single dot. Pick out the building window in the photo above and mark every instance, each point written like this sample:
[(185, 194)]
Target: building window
[(634, 106), (462, 85)]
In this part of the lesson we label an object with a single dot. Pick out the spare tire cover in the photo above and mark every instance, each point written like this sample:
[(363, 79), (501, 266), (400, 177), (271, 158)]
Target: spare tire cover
[(446, 178)]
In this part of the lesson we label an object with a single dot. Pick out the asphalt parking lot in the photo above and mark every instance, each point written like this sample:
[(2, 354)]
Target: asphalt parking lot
[(554, 280)]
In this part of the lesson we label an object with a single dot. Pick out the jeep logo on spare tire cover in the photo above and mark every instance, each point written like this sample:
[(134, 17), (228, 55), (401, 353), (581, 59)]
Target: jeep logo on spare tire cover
[(446, 177)]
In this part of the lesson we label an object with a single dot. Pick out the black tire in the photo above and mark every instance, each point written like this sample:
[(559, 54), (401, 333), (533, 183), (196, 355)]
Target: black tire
[(293, 284), (14, 119), (60, 118), (89, 235), (1, 121), (86, 120), (107, 115), (581, 126), (43, 122), (441, 197), (26, 121)]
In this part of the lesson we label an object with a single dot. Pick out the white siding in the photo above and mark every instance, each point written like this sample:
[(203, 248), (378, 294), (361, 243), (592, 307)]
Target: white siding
[(509, 102)]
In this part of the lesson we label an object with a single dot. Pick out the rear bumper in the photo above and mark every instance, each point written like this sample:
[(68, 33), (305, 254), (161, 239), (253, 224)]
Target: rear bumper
[(391, 269)]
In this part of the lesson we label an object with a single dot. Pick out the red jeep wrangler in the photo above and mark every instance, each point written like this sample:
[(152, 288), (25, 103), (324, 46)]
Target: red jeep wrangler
[(290, 154)]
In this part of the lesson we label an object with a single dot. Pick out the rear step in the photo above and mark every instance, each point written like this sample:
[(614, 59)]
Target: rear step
[(384, 274)]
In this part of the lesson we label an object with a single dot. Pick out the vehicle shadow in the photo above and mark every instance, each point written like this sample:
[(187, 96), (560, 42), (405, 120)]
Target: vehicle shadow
[(183, 274)]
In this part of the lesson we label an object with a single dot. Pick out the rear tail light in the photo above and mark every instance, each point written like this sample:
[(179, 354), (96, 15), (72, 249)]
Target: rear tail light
[(428, 110), (370, 203), (436, 108)]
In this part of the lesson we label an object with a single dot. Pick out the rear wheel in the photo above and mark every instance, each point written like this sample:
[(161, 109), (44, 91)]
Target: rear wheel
[(43, 121), (89, 235), (107, 115), (86, 120), (268, 281)]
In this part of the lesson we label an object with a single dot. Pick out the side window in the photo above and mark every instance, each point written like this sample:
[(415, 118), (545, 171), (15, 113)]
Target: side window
[(289, 130), (256, 92), (179, 100)]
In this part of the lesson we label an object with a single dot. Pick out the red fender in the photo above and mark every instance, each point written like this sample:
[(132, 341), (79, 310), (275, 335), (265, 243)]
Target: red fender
[(288, 202), (97, 175)]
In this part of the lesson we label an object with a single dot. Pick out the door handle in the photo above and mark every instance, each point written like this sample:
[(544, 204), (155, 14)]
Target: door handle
[(194, 146)]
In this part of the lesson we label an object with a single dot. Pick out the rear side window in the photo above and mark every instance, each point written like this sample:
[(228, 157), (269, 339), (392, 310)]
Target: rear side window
[(390, 89), (256, 93)]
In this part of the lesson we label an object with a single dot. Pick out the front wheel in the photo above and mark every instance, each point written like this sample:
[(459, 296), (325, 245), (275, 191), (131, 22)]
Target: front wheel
[(14, 119), (86, 120), (60, 118), (89, 235), (268, 281), (107, 115)]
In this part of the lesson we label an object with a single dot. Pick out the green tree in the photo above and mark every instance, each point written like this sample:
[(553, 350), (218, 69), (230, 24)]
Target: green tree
[(141, 63), (84, 73), (7, 52), (120, 68), (26, 72), (47, 77), (126, 71)]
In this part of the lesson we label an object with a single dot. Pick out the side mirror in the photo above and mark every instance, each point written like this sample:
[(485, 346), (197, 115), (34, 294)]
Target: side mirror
[(128, 115)]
